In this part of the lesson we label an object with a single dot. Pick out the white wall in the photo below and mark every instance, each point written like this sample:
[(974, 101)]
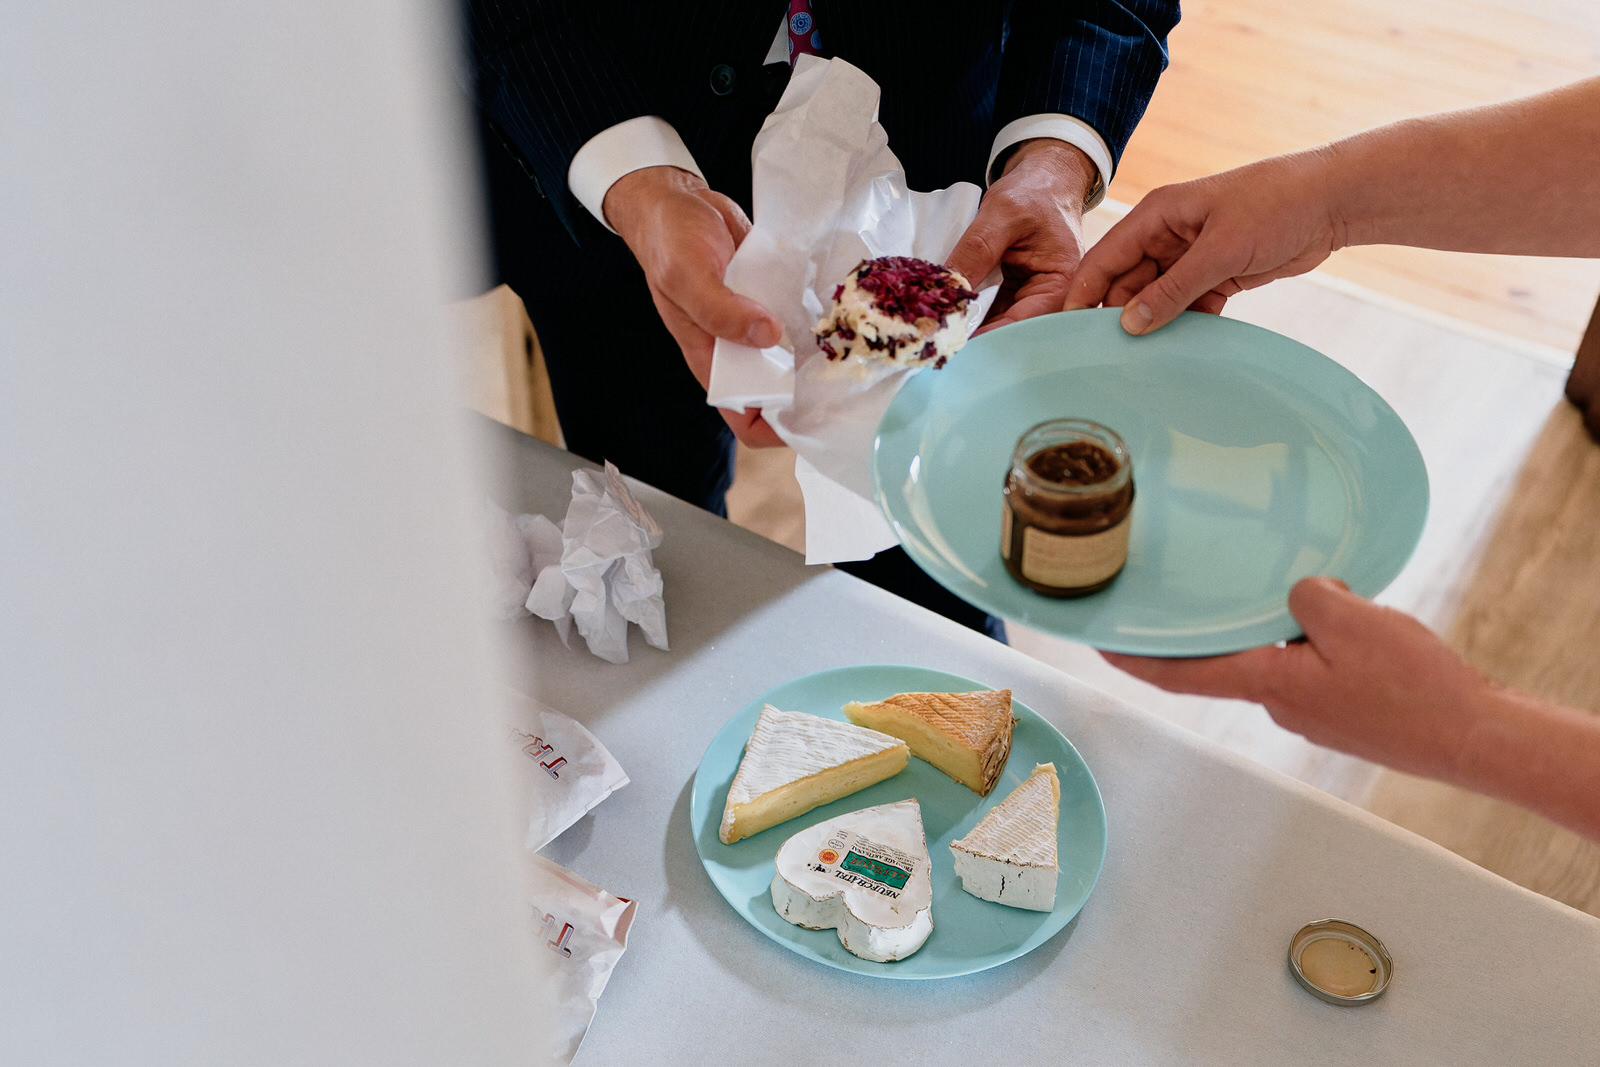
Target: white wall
[(246, 814)]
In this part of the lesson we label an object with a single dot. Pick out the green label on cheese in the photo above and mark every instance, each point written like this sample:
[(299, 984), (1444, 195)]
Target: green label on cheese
[(876, 870)]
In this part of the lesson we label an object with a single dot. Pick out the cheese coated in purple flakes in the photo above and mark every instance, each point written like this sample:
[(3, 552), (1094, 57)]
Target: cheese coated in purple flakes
[(906, 289), (910, 289)]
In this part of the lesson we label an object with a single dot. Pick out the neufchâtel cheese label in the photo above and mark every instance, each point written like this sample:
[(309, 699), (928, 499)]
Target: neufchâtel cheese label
[(851, 859)]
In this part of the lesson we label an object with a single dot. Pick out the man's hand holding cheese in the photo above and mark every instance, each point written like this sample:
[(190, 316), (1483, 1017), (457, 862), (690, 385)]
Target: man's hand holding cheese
[(683, 233), (1030, 224)]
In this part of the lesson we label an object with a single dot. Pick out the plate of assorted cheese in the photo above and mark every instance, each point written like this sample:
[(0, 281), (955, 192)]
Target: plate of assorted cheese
[(898, 821)]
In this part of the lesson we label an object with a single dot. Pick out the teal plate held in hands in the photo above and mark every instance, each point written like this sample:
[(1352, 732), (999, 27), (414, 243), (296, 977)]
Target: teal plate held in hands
[(1257, 462), (968, 934)]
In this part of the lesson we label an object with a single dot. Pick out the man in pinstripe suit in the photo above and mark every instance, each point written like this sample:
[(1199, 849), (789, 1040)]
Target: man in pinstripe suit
[(617, 160)]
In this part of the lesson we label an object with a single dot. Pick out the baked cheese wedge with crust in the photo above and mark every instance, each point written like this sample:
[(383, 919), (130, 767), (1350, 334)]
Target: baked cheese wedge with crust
[(965, 735)]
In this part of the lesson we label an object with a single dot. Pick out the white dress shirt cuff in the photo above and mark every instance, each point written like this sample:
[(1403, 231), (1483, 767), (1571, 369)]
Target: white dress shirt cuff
[(646, 141), (1074, 131)]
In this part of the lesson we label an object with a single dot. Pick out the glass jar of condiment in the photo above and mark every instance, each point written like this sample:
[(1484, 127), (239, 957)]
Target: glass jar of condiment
[(1068, 495)]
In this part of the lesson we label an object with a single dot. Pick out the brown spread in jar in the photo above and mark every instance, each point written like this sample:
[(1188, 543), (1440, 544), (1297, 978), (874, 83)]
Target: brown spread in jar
[(1068, 495)]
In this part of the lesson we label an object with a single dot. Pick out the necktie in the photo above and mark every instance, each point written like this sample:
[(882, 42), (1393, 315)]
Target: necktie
[(803, 35)]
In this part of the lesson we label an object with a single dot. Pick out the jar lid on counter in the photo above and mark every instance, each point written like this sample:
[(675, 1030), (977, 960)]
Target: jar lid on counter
[(1340, 962)]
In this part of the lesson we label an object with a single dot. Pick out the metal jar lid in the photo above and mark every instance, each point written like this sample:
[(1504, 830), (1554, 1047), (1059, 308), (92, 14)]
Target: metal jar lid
[(1340, 962)]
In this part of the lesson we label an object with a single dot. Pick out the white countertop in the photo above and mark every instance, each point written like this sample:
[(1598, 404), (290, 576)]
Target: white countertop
[(1177, 958)]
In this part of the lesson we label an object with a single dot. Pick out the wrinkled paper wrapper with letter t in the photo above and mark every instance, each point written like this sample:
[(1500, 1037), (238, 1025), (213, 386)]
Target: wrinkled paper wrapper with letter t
[(585, 931), (828, 193), (582, 927), (567, 771)]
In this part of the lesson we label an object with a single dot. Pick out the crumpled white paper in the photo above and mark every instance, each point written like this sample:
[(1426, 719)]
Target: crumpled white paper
[(593, 571), (518, 548), (567, 771), (585, 929), (828, 193)]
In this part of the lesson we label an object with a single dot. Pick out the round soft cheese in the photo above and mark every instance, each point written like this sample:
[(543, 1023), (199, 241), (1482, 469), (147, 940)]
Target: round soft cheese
[(896, 310)]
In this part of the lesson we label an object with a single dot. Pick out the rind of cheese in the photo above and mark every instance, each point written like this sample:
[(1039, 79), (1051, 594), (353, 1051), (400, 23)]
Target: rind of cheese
[(1010, 856), (965, 735), (866, 874), (794, 762)]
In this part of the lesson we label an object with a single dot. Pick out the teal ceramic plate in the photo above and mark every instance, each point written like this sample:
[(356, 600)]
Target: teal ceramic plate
[(1256, 461), (968, 934)]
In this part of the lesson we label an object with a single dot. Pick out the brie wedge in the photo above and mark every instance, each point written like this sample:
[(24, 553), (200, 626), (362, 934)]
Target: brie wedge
[(965, 735), (794, 762), (1010, 856), (866, 874)]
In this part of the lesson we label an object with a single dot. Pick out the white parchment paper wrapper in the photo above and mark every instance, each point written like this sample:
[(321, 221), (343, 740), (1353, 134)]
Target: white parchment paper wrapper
[(586, 930), (594, 570), (827, 194), (565, 769), (606, 577), (517, 548)]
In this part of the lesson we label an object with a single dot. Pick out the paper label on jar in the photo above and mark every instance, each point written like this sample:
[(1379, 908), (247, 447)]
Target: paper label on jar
[(1067, 562)]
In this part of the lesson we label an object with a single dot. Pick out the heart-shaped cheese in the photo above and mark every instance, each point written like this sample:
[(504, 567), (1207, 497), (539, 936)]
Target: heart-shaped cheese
[(865, 874)]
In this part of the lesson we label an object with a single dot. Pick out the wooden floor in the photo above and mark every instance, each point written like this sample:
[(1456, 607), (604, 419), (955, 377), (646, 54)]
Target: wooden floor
[(1251, 78), (1518, 591), (1530, 618)]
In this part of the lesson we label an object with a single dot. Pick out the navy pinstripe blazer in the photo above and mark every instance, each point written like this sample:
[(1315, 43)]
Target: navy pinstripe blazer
[(550, 74)]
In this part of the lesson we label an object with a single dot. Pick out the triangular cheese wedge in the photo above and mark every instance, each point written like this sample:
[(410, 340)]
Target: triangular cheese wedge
[(965, 735), (1010, 856), (794, 762), (866, 874)]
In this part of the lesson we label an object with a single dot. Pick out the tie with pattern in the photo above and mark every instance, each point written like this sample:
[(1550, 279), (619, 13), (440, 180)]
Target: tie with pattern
[(803, 35)]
